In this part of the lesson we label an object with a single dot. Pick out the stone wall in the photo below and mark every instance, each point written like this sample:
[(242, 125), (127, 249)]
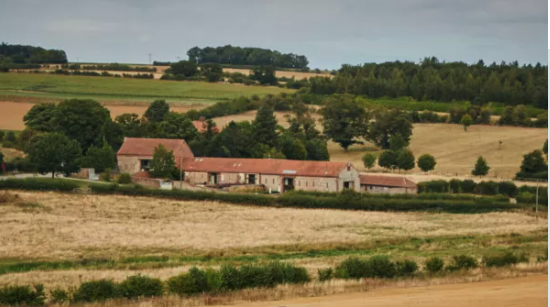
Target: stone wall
[(130, 164), (387, 190)]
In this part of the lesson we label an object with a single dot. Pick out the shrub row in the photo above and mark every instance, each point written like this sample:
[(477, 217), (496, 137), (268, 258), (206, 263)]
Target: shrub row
[(456, 186), (530, 176), (40, 184), (227, 278), (374, 267)]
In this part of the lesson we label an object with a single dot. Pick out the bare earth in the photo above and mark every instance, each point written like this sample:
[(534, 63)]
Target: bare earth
[(528, 291), (57, 225)]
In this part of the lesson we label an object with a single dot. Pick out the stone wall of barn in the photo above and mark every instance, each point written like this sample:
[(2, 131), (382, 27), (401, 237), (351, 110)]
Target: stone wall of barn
[(130, 164), (387, 190), (319, 184)]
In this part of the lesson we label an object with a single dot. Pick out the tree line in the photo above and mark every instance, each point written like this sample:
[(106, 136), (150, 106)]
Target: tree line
[(246, 56), (26, 54), (431, 79)]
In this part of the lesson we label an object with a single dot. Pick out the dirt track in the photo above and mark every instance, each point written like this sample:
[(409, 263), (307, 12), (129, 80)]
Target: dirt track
[(527, 291)]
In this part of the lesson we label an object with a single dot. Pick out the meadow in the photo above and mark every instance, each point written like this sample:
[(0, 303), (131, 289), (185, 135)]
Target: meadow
[(120, 89)]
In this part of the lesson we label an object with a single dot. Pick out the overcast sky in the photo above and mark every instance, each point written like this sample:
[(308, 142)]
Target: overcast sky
[(328, 32)]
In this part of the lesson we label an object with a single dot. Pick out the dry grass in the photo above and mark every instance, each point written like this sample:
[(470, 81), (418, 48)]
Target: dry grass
[(318, 289), (110, 226), (281, 73)]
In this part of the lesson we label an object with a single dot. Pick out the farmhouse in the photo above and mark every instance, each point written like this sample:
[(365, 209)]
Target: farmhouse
[(377, 184), (276, 175)]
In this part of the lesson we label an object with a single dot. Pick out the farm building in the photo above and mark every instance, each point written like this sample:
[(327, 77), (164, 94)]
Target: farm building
[(276, 175), (136, 153), (377, 184)]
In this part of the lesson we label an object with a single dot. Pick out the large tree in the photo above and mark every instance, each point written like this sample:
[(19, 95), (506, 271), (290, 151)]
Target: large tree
[(265, 75), (264, 126), (54, 152), (40, 117), (156, 112), (317, 150), (369, 160), (178, 126), (82, 120), (163, 164), (533, 162), (132, 125), (344, 120), (291, 147), (405, 159), (184, 69), (388, 124), (212, 71), (388, 159)]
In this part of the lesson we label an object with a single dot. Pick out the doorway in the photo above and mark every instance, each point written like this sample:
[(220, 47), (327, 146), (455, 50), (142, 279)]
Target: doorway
[(213, 178), (288, 184), (348, 185), (251, 179)]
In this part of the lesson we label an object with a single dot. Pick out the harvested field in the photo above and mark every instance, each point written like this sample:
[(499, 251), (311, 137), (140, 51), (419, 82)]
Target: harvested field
[(72, 226), (282, 73)]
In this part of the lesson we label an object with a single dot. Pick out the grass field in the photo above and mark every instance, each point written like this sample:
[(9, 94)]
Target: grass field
[(63, 87), (64, 239)]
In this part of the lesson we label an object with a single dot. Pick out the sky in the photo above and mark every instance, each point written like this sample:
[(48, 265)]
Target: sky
[(329, 32)]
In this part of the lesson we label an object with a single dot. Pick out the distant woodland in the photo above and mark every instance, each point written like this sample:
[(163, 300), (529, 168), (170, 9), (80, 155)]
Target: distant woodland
[(246, 56), (26, 54)]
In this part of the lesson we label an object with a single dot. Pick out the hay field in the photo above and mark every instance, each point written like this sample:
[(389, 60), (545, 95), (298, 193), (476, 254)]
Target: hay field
[(454, 149), (282, 73), (65, 226)]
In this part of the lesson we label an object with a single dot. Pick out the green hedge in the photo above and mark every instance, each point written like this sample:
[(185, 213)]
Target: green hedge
[(527, 176), (22, 295), (40, 184)]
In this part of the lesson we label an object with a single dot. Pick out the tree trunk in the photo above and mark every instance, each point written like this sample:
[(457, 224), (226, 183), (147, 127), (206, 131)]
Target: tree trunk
[(53, 175)]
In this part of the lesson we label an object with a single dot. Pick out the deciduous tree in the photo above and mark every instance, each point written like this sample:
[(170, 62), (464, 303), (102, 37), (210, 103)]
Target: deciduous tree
[(405, 159), (163, 164), (54, 152), (426, 162), (369, 160), (344, 120), (156, 112)]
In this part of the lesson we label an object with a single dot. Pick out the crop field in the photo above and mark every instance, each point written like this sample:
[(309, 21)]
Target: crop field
[(133, 233), (118, 89)]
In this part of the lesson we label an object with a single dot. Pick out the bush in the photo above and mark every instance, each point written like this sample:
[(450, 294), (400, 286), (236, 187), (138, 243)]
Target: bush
[(105, 176), (454, 186), (22, 295), (468, 186), (382, 267), (325, 274), (59, 295), (501, 260), (182, 284), (406, 268), (435, 186), (352, 268), (97, 290), (507, 188), (487, 188), (124, 178), (434, 265), (214, 280), (376, 266), (140, 286), (463, 262), (231, 277)]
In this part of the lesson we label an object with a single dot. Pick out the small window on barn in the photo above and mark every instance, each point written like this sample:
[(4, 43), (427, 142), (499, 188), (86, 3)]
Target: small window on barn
[(306, 183), (313, 184), (273, 180), (348, 168), (327, 185)]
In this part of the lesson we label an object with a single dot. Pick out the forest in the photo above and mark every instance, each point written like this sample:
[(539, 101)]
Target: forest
[(431, 79), (26, 54), (246, 56)]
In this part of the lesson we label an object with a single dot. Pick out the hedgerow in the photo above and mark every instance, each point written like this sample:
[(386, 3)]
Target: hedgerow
[(39, 184)]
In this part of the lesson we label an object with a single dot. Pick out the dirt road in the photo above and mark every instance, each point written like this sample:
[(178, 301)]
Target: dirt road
[(527, 291)]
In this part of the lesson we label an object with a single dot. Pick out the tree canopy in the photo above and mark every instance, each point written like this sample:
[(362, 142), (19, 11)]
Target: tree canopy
[(26, 54), (481, 168), (100, 158), (387, 125), (344, 120), (163, 164), (156, 111), (426, 162), (54, 152), (533, 162)]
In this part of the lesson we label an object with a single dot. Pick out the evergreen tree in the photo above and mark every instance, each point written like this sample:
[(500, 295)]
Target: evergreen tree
[(481, 168), (264, 126)]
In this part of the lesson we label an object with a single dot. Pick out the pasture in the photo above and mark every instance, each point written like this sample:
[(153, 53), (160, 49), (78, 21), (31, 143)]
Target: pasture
[(121, 89)]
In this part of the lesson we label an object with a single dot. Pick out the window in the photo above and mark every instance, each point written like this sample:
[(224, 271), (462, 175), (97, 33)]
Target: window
[(306, 184), (144, 164), (273, 180)]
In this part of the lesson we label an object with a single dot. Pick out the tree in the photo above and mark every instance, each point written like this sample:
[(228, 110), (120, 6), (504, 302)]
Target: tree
[(112, 134), (178, 126), (369, 160), (1, 135), (236, 141), (344, 120), (481, 168), (82, 120), (317, 150), (426, 162), (291, 147), (533, 162), (466, 121), (40, 117), (388, 159), (100, 159), (405, 159), (163, 164), (544, 147), (264, 126), (184, 69), (212, 71), (10, 137), (156, 112), (132, 125), (265, 75), (54, 152), (388, 124), (397, 142)]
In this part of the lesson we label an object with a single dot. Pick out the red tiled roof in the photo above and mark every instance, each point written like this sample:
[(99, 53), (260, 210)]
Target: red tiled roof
[(387, 181), (199, 125), (265, 166), (146, 147)]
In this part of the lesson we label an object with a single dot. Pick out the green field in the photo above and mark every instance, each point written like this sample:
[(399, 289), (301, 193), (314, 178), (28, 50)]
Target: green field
[(107, 88)]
